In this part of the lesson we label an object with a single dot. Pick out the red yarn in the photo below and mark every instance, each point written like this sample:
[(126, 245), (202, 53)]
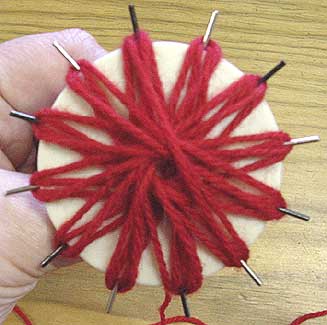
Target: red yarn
[(176, 319), (22, 315), (162, 163), (180, 319), (303, 318)]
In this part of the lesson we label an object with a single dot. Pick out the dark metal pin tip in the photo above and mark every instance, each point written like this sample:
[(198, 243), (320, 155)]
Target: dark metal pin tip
[(134, 21), (267, 76), (295, 214), (23, 116), (185, 305), (112, 299), (53, 255)]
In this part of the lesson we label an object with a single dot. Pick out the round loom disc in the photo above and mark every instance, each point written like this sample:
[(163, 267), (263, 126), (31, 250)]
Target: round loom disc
[(169, 57)]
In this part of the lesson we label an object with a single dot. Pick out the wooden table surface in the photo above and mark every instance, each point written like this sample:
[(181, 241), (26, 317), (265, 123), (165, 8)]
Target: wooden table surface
[(291, 255)]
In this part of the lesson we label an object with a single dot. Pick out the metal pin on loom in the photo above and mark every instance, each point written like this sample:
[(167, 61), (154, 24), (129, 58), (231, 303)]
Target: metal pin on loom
[(211, 24), (23, 116), (295, 214), (270, 73), (185, 305), (22, 189), (134, 21), (112, 299), (309, 139), (53, 255), (66, 55), (251, 273)]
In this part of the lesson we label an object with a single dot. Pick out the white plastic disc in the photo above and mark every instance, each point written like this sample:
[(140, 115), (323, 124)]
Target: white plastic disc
[(169, 56)]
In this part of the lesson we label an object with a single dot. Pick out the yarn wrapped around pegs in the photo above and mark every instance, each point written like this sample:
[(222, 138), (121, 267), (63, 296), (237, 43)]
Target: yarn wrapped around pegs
[(163, 163)]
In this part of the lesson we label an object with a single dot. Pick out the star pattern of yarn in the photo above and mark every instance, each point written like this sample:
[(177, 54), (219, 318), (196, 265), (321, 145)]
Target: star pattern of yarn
[(162, 163)]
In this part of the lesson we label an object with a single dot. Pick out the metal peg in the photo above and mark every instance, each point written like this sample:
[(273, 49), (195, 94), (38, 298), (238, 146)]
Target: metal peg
[(22, 189), (295, 214), (268, 75), (112, 299), (66, 55), (23, 116), (185, 304), (53, 255), (309, 139), (134, 21), (211, 24), (251, 273)]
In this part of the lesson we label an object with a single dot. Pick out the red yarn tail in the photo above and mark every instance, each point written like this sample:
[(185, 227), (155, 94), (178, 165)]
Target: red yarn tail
[(22, 315), (303, 318), (176, 319), (180, 319)]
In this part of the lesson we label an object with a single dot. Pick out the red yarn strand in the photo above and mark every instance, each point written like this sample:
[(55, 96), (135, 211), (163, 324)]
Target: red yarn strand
[(18, 311), (306, 317), (180, 319)]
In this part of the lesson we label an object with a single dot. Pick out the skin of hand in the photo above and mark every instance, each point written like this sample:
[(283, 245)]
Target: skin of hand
[(32, 74)]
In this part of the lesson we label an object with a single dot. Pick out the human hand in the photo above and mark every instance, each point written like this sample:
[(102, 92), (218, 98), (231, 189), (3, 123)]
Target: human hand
[(32, 74)]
